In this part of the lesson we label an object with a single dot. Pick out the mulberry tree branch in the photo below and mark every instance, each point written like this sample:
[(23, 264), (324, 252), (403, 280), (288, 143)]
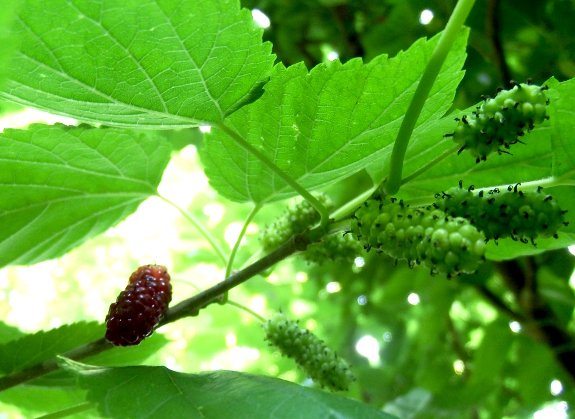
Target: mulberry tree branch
[(492, 31), (187, 308)]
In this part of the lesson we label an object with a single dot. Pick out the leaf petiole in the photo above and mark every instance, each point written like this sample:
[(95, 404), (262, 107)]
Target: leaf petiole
[(437, 59), (200, 227), (283, 175)]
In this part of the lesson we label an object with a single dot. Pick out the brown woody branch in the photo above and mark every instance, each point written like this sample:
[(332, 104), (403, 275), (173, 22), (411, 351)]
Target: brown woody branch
[(187, 308)]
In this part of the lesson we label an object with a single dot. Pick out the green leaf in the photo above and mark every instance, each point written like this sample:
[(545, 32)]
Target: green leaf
[(409, 405), (491, 357), (144, 63), (38, 347), (35, 401), (562, 118), (8, 333), (7, 40), (156, 392), (130, 355), (63, 185), (323, 125)]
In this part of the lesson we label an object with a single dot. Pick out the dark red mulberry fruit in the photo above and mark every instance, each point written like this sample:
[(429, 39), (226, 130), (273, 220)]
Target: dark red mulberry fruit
[(140, 307)]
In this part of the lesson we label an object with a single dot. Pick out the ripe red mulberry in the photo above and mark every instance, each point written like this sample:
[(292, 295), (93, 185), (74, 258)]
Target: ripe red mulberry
[(140, 307)]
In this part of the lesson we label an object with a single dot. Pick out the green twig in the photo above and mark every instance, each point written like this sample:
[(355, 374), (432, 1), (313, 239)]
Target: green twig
[(253, 258), (351, 207), (550, 182), (283, 175), (187, 308), (251, 216), (443, 47), (429, 165), (200, 227), (230, 263), (69, 411), (247, 310)]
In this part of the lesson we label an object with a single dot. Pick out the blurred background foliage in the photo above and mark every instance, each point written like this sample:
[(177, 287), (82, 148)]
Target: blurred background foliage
[(493, 345)]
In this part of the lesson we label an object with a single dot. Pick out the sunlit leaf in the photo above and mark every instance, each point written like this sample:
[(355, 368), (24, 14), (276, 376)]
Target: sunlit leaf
[(38, 347), (60, 186), (138, 63), (157, 392), (323, 125)]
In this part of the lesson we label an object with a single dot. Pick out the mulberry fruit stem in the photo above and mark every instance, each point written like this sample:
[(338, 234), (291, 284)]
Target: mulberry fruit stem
[(200, 227), (429, 165), (283, 175), (230, 263), (443, 47), (533, 185)]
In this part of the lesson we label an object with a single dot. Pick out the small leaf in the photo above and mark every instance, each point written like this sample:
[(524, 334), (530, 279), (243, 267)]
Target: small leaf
[(157, 392), (60, 186), (38, 347), (322, 126), (138, 63)]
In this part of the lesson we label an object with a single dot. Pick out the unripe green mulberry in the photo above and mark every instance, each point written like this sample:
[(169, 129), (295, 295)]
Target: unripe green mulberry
[(319, 362), (498, 122), (333, 248), (511, 212), (295, 220), (443, 244)]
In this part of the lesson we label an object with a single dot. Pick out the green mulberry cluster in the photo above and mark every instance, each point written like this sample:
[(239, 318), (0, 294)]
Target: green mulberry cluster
[(499, 122), (500, 214), (443, 244), (333, 248), (295, 220), (318, 361)]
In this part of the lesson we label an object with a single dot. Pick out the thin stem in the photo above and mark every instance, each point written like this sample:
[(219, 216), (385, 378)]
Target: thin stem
[(251, 216), (190, 307), (443, 47), (351, 207), (283, 175), (83, 407), (182, 281), (253, 258), (200, 227), (247, 310), (533, 185), (429, 165)]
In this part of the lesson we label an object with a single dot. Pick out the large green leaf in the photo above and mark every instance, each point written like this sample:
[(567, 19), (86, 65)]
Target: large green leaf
[(323, 125), (60, 186), (8, 41), (157, 392), (144, 63), (38, 347), (8, 333)]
